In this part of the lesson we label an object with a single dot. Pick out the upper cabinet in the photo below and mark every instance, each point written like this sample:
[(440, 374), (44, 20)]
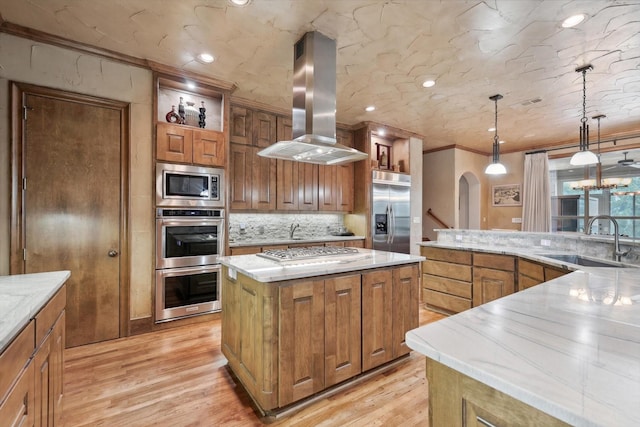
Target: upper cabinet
[(259, 183), (189, 120)]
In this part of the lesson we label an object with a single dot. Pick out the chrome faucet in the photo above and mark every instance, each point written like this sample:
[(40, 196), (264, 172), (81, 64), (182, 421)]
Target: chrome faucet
[(617, 253), (292, 229)]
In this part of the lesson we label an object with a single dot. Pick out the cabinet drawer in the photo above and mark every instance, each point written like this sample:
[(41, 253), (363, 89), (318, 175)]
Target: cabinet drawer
[(448, 270), (446, 302), (245, 250), (531, 269), (448, 286), (49, 314), (448, 255), (15, 358), (496, 262)]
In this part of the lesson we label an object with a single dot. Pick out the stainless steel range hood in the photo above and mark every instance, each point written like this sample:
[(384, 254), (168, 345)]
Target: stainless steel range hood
[(314, 107)]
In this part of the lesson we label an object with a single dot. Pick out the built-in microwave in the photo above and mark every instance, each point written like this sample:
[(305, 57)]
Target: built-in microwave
[(189, 186)]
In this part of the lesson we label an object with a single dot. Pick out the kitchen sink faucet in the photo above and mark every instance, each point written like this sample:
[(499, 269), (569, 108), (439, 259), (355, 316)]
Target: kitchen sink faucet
[(617, 253), (293, 228)]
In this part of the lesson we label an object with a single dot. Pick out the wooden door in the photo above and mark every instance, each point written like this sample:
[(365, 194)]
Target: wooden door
[(301, 348), (240, 176), (74, 155), (489, 284), (405, 306), (377, 333), (307, 187), (327, 181), (263, 186), (343, 330), (241, 129), (287, 185)]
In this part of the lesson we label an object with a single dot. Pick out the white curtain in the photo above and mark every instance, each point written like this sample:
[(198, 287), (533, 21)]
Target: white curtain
[(536, 194)]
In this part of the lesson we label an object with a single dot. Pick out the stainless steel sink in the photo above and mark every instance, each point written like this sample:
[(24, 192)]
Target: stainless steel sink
[(580, 260)]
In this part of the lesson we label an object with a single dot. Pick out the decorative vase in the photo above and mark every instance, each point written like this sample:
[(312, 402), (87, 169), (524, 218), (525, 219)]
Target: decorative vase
[(181, 111), (172, 116), (202, 115), (191, 114)]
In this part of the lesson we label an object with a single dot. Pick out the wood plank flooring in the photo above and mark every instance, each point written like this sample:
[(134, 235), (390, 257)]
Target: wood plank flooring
[(178, 377)]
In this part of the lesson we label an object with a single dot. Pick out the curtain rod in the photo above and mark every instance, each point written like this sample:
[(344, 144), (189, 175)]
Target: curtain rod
[(566, 147)]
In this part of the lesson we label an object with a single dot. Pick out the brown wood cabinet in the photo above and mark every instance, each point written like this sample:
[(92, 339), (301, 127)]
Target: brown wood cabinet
[(532, 273), (447, 279), (335, 187), (32, 369), (389, 310), (290, 340), (493, 277), (458, 400), (183, 144)]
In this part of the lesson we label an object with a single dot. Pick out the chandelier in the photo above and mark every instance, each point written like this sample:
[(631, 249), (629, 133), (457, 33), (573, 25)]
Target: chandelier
[(599, 183)]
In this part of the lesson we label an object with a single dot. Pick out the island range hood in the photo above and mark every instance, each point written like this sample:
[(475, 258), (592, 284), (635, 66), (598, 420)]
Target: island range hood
[(314, 107)]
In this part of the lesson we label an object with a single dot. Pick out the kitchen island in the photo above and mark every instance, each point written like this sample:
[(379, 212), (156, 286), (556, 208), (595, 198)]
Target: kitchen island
[(564, 352), (296, 329), (32, 348)]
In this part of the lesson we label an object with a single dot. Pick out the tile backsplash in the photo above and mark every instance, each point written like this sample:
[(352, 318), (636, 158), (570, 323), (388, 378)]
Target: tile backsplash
[(254, 226)]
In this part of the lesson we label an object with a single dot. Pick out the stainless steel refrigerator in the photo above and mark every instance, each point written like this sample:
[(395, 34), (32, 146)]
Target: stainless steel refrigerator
[(391, 211)]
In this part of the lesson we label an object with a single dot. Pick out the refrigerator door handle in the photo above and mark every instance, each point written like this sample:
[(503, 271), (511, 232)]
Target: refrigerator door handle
[(392, 221), (388, 213)]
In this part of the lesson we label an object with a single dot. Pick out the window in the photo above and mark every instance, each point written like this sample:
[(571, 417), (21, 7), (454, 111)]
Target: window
[(570, 209)]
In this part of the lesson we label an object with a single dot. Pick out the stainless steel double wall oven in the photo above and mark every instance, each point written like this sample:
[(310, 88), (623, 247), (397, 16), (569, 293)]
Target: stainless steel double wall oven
[(190, 233)]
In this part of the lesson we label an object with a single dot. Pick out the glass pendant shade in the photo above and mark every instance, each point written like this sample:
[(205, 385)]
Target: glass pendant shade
[(583, 158), (495, 169)]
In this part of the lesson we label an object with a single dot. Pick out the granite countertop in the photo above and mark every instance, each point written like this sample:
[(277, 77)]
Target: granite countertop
[(265, 242), (265, 270), (21, 298), (569, 347)]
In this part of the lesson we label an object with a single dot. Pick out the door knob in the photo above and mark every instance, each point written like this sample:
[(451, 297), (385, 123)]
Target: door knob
[(112, 253)]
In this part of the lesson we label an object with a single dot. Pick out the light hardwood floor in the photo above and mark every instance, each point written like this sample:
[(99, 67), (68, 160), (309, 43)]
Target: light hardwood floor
[(178, 378)]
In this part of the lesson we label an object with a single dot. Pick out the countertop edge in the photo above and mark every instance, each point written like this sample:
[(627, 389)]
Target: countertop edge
[(246, 243), (38, 288)]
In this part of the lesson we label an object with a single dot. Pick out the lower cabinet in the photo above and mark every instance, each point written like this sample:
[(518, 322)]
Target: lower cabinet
[(35, 397), (458, 400), (286, 341), (447, 279), (493, 277)]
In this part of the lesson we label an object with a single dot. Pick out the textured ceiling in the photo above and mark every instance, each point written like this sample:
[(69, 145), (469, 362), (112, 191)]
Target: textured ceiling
[(386, 49)]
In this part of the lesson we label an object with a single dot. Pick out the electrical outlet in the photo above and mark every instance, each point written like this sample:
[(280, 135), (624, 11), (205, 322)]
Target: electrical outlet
[(545, 242), (459, 237), (416, 220), (516, 220)]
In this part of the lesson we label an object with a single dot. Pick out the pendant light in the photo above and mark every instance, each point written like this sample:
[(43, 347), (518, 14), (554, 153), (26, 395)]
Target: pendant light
[(496, 168), (584, 156)]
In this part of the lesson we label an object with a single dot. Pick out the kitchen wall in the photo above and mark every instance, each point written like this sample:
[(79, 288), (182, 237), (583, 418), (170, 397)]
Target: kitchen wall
[(26, 61), (441, 176)]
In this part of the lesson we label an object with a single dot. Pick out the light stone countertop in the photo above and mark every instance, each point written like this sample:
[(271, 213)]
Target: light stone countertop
[(265, 270), (562, 347), (310, 240), (22, 296)]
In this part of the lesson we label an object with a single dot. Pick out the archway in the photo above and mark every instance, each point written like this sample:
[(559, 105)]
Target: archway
[(468, 201)]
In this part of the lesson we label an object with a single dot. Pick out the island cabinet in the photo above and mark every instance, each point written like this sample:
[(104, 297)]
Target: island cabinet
[(447, 279), (182, 144), (290, 340), (32, 369), (388, 297), (458, 400), (493, 277), (533, 273)]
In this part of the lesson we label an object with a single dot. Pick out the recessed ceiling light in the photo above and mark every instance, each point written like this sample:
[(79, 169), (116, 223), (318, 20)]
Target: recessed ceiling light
[(500, 142), (429, 83), (370, 108), (381, 132), (573, 20), (239, 2), (491, 130), (191, 85), (206, 58)]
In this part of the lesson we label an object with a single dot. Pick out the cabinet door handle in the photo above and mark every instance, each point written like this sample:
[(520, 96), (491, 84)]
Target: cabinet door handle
[(112, 253), (484, 422)]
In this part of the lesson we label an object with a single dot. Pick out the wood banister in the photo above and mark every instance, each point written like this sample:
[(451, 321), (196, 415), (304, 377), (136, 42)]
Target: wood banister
[(436, 219)]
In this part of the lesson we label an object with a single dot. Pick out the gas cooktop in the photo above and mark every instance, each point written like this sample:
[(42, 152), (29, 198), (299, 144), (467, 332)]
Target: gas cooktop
[(306, 253)]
